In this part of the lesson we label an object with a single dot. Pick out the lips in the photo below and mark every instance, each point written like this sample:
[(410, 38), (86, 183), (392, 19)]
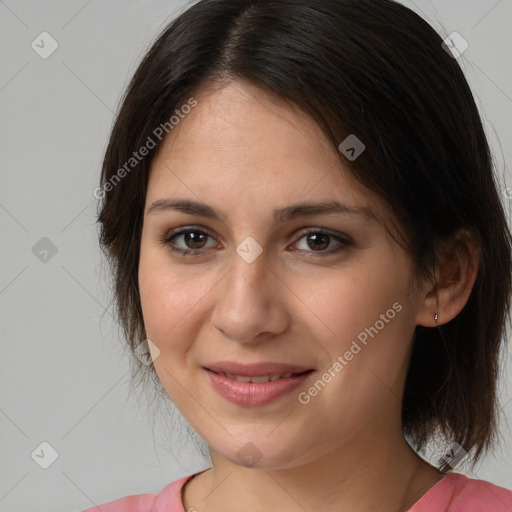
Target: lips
[(255, 384)]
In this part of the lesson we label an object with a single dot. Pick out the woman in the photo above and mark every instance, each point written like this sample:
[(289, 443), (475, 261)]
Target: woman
[(305, 231)]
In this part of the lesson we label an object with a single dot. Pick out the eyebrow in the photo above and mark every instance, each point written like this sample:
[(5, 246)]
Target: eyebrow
[(305, 209)]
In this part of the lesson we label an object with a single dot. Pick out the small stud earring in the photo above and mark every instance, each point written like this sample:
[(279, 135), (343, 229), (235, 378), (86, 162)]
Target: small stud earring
[(436, 316)]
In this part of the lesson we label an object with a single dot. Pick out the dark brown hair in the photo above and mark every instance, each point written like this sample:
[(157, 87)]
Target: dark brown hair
[(367, 67)]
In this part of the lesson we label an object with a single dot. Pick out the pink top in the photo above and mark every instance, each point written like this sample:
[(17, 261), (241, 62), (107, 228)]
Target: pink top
[(454, 493)]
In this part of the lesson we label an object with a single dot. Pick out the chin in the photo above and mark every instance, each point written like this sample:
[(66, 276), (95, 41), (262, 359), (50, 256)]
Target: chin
[(255, 452)]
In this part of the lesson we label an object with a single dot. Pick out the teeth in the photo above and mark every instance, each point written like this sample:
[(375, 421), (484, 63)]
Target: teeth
[(259, 379), (239, 378)]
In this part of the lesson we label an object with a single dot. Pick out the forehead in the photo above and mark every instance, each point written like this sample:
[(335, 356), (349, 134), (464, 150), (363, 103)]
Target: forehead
[(242, 145), (242, 124)]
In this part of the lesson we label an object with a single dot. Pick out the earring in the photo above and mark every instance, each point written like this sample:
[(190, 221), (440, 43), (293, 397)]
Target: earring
[(436, 316)]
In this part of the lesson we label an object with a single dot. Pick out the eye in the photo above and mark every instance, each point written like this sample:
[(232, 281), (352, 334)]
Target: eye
[(187, 241), (318, 240), (192, 241)]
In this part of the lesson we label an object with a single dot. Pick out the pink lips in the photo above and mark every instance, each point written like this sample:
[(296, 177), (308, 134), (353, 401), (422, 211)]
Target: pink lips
[(255, 393)]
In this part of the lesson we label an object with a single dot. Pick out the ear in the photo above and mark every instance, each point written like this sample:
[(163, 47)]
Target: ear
[(455, 276)]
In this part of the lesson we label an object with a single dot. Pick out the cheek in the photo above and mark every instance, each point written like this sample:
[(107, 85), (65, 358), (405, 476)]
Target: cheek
[(173, 302), (167, 305), (166, 299), (371, 323), (360, 302)]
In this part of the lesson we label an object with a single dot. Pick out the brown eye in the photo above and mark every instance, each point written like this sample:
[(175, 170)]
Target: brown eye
[(194, 239), (318, 241), (187, 241)]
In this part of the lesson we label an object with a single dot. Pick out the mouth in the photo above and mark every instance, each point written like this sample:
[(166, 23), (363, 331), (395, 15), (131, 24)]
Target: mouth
[(260, 379), (262, 369), (255, 385)]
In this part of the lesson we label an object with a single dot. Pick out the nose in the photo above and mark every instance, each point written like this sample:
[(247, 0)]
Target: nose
[(251, 303)]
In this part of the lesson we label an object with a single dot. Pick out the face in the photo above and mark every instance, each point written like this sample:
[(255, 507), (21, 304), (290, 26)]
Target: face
[(266, 287)]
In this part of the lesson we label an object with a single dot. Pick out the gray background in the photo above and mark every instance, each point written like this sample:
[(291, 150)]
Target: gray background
[(63, 370)]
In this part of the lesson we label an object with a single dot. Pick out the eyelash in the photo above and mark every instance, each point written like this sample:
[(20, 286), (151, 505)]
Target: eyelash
[(167, 241)]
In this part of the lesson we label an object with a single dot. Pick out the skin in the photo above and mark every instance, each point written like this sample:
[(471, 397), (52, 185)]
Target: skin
[(246, 153)]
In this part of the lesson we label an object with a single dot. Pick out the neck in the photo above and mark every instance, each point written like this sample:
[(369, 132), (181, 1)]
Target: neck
[(372, 474)]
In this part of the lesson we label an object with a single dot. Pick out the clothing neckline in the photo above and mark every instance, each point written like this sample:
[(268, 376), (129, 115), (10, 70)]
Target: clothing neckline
[(430, 494), (435, 489)]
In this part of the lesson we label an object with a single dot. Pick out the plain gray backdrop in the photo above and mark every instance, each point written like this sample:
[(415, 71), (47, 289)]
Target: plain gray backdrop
[(63, 370)]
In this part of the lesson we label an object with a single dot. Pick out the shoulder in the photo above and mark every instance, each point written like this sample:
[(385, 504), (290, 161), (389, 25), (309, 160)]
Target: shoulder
[(459, 493), (133, 503), (168, 500)]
